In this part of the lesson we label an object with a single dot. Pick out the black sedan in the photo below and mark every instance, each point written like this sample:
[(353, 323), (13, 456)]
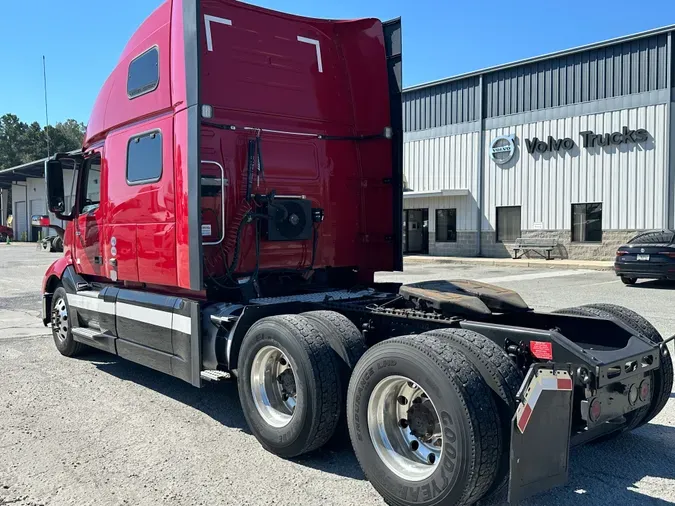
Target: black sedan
[(650, 255)]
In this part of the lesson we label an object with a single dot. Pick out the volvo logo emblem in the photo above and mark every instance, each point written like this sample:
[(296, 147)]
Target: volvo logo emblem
[(502, 149), (642, 250)]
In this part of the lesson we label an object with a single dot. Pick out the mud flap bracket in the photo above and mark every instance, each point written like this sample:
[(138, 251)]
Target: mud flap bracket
[(540, 432)]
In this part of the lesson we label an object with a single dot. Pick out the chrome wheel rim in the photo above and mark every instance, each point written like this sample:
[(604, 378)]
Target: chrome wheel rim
[(273, 385), (405, 428), (60, 322)]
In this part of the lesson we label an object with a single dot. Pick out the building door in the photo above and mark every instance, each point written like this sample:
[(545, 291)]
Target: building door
[(20, 221), (37, 207), (417, 231)]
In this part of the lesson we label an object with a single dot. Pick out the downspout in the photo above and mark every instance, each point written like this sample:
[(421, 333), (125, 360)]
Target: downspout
[(479, 170), (669, 197)]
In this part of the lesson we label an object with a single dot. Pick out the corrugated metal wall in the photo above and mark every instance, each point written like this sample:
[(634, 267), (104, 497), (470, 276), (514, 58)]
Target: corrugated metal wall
[(622, 69), (628, 68), (445, 104), (628, 179), (449, 162)]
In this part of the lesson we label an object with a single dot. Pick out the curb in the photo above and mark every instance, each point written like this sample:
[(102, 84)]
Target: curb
[(508, 263)]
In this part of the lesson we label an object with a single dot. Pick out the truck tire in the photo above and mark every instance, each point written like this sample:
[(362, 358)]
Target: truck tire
[(61, 320), (46, 245), (423, 423), (289, 386), (663, 377), (341, 334), (502, 376), (633, 419), (57, 244), (349, 346)]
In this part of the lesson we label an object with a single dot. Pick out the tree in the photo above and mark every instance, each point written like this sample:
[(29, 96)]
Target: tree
[(22, 143)]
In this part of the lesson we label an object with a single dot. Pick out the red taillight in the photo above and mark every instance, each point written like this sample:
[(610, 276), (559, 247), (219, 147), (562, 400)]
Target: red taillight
[(669, 254), (595, 410), (542, 350), (645, 387), (621, 253)]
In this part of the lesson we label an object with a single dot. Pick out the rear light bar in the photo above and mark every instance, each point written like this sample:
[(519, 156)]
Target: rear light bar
[(622, 253), (669, 254)]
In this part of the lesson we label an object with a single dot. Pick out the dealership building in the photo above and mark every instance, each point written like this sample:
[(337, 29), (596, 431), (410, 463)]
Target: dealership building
[(572, 146)]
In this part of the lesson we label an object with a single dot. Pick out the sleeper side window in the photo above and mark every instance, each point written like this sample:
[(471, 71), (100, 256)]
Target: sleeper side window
[(143, 73), (144, 158)]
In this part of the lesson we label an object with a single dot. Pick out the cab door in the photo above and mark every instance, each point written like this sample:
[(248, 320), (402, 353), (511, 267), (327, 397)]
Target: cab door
[(89, 222)]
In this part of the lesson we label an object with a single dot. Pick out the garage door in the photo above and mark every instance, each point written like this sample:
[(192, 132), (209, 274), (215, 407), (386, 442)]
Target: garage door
[(20, 221)]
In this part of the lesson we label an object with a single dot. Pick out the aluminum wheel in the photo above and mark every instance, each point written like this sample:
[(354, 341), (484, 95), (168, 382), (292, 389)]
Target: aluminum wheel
[(405, 428), (60, 323), (273, 386)]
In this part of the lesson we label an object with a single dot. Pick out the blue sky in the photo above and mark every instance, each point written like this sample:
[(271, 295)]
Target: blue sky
[(82, 40)]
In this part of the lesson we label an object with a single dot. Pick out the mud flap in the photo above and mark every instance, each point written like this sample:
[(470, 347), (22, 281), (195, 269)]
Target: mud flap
[(540, 432)]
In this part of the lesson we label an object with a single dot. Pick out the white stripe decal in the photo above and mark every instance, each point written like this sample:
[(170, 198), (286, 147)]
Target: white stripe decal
[(182, 324), (155, 317), (208, 19), (316, 44), (91, 303)]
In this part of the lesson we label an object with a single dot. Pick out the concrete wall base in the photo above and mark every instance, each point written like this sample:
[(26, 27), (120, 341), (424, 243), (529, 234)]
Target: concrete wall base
[(466, 245), (605, 250)]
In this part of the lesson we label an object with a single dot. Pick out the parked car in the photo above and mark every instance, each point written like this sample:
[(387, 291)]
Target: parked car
[(649, 255), (6, 232)]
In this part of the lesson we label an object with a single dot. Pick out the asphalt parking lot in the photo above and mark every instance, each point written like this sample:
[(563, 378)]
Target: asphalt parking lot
[(99, 430)]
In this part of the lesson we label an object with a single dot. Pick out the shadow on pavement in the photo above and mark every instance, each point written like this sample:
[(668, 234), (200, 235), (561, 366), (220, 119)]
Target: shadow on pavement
[(659, 284), (597, 471), (221, 402), (610, 472)]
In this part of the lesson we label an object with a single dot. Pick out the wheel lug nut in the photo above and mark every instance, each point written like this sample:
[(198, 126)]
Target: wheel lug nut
[(414, 445), (403, 423), (402, 400)]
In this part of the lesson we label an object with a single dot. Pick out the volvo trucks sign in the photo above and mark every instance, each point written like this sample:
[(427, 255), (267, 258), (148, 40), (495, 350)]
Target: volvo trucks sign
[(502, 149)]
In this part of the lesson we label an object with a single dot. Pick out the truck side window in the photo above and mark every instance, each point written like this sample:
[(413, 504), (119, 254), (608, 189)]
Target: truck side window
[(143, 73), (144, 158), (91, 190)]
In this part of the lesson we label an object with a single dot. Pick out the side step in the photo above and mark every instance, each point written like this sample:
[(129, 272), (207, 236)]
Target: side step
[(213, 375), (94, 338)]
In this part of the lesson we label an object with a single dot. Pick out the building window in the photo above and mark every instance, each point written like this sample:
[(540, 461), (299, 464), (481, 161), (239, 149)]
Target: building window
[(587, 222), (144, 158), (508, 223), (446, 225), (143, 73)]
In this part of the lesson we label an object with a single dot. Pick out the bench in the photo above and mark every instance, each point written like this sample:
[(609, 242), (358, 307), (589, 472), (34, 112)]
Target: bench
[(537, 245)]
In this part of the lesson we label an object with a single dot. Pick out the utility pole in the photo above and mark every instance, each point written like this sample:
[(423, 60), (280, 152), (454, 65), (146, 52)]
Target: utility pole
[(44, 74)]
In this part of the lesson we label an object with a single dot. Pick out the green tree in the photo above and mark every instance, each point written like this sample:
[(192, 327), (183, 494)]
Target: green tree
[(23, 143)]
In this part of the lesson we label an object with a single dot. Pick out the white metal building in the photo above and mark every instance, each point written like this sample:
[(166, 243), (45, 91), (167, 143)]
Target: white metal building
[(26, 185), (573, 146)]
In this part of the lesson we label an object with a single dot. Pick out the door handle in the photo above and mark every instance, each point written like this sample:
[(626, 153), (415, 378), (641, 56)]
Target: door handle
[(113, 262)]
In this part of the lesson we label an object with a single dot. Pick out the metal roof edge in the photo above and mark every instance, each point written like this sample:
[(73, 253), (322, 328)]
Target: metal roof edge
[(34, 162), (546, 56)]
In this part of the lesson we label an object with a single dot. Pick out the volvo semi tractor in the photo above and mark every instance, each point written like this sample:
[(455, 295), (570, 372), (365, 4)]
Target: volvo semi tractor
[(240, 183)]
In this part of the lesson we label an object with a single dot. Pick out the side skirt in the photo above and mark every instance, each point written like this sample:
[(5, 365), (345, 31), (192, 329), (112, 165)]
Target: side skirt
[(158, 331)]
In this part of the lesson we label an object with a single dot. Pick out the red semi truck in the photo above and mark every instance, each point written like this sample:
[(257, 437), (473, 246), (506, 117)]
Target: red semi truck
[(239, 185)]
